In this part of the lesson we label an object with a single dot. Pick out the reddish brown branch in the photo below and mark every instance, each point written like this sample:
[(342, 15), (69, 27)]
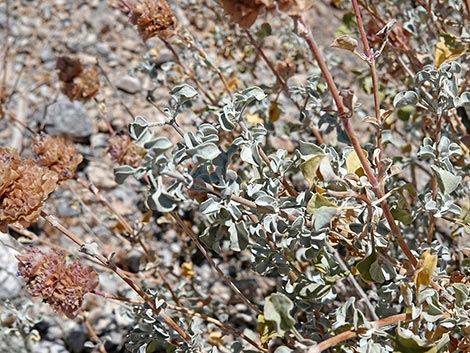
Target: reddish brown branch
[(335, 340), (107, 263), (345, 119)]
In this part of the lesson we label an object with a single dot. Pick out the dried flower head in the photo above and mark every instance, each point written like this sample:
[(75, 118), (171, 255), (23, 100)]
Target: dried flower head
[(124, 150), (62, 286), (68, 67), (245, 12), (23, 188), (294, 7), (57, 155), (78, 83), (152, 18)]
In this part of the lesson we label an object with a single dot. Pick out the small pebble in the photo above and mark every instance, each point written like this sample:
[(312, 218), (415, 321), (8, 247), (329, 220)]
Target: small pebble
[(102, 49), (46, 54), (10, 284), (129, 84)]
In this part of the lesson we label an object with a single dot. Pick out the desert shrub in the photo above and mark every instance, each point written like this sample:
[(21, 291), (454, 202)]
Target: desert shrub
[(353, 200)]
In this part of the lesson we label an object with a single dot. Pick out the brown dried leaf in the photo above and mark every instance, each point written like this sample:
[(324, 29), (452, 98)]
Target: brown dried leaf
[(68, 67), (294, 7), (345, 42), (245, 12)]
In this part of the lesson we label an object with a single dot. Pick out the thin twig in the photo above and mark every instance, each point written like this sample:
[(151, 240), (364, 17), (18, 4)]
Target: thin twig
[(212, 263), (94, 337), (102, 111), (28, 234), (281, 80), (222, 325), (189, 72), (346, 121), (335, 340), (96, 193), (373, 71), (356, 285), (94, 190), (431, 16), (203, 54), (6, 44), (17, 133), (414, 61), (14, 118), (467, 7), (187, 311), (113, 87), (118, 271)]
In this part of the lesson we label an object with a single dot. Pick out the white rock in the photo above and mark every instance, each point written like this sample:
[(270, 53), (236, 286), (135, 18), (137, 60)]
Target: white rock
[(10, 284), (129, 84)]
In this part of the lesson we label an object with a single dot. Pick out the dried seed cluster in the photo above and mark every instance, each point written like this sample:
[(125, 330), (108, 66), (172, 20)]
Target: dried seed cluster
[(152, 18), (55, 154), (245, 12), (125, 151), (62, 285), (24, 187), (78, 83)]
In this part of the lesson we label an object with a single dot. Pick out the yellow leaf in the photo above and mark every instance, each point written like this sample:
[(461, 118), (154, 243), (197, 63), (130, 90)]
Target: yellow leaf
[(215, 338), (187, 270), (319, 190), (146, 218), (445, 53), (274, 112), (353, 164), (309, 169), (254, 119), (266, 330), (233, 84), (425, 270), (337, 3)]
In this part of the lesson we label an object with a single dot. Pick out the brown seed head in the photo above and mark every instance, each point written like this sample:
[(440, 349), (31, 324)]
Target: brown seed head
[(62, 286), (68, 67), (78, 83), (23, 188), (57, 155), (286, 67), (152, 18)]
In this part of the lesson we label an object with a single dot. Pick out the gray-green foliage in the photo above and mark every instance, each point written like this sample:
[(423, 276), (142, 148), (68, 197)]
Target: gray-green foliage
[(331, 230), (17, 333)]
